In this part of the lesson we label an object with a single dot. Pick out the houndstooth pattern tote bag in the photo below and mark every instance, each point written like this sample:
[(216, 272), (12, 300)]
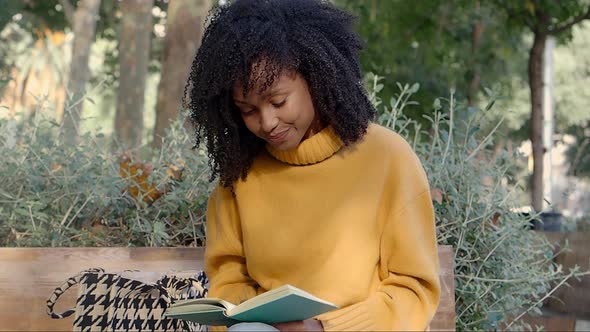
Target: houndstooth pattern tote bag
[(112, 302)]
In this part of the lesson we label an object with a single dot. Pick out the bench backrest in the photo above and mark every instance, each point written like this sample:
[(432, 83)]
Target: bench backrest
[(29, 275)]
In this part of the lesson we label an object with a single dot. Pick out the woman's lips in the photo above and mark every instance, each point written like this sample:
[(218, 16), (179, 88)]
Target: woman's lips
[(279, 137)]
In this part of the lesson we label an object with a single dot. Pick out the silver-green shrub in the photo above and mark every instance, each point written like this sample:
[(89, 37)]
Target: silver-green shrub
[(57, 194)]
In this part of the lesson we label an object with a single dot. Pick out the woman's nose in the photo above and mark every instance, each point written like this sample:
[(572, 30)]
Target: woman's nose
[(268, 120)]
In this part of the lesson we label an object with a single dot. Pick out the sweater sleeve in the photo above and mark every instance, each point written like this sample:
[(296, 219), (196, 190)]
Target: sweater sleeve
[(408, 294), (225, 264)]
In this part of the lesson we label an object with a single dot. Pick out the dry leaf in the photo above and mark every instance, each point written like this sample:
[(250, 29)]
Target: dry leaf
[(174, 172), (138, 173), (55, 167), (437, 195), (496, 218)]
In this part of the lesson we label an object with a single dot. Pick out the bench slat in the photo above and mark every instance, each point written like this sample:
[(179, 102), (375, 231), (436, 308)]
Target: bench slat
[(29, 275), (444, 319)]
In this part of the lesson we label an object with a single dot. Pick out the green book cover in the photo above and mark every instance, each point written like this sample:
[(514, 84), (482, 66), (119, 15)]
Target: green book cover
[(283, 304)]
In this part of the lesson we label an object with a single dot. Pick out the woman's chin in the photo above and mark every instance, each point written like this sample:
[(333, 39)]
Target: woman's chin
[(289, 142), (280, 146), (284, 145)]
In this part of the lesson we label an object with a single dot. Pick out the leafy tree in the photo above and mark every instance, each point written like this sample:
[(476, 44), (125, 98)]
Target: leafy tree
[(543, 18), (440, 44)]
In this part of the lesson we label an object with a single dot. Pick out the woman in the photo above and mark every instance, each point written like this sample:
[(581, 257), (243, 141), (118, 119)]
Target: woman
[(310, 192)]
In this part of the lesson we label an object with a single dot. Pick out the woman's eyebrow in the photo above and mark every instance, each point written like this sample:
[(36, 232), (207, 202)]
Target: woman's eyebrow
[(268, 94), (278, 91)]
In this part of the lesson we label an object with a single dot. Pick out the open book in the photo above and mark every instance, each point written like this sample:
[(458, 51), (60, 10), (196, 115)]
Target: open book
[(283, 304)]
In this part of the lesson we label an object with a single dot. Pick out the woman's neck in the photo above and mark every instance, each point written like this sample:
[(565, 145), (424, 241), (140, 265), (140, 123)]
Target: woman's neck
[(316, 126)]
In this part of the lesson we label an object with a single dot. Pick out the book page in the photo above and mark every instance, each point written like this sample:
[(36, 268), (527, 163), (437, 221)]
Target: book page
[(256, 301), (211, 301), (214, 317), (274, 295), (195, 308), (284, 305)]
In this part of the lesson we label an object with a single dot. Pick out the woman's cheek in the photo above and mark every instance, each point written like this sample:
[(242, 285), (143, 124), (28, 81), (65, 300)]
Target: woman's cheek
[(250, 123), (289, 115)]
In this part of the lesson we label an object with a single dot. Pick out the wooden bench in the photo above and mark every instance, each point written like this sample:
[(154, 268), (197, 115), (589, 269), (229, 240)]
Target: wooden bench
[(29, 275)]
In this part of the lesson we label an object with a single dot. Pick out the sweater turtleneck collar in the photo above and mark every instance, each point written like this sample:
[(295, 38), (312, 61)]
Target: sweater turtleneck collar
[(314, 149)]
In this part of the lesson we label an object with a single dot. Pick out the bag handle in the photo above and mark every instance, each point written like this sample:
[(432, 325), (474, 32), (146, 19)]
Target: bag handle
[(62, 289)]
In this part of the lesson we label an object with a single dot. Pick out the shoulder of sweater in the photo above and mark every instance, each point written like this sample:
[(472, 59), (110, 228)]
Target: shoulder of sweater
[(386, 140), (392, 148), (219, 193)]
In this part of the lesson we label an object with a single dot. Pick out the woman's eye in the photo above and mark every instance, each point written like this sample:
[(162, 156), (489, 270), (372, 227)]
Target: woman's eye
[(248, 112), (277, 105)]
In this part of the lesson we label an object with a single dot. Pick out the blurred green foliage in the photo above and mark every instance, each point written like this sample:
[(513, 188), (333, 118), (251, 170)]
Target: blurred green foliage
[(579, 153), (54, 194), (431, 42), (38, 16)]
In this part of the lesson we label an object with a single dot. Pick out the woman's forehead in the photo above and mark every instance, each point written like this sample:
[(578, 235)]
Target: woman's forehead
[(259, 83)]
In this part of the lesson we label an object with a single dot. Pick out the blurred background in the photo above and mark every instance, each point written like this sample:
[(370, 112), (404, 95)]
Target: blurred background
[(131, 58), (96, 152)]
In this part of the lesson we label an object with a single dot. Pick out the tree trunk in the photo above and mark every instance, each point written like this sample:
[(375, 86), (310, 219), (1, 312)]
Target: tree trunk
[(183, 37), (536, 133), (134, 50), (84, 25)]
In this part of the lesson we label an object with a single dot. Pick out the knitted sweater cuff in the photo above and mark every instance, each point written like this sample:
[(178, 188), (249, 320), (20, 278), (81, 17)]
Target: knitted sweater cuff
[(370, 315)]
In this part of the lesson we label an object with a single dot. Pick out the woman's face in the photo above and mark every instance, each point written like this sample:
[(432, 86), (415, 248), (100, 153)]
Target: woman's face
[(283, 115)]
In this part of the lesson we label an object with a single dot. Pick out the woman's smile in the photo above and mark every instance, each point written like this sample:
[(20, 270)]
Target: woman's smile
[(279, 138)]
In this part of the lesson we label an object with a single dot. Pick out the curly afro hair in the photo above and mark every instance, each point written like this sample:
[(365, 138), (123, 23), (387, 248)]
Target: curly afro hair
[(312, 37)]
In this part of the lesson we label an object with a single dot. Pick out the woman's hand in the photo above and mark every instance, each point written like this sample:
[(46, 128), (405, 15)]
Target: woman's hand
[(300, 325)]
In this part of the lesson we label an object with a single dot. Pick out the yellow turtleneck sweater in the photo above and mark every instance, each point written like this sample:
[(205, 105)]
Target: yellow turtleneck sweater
[(353, 225)]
